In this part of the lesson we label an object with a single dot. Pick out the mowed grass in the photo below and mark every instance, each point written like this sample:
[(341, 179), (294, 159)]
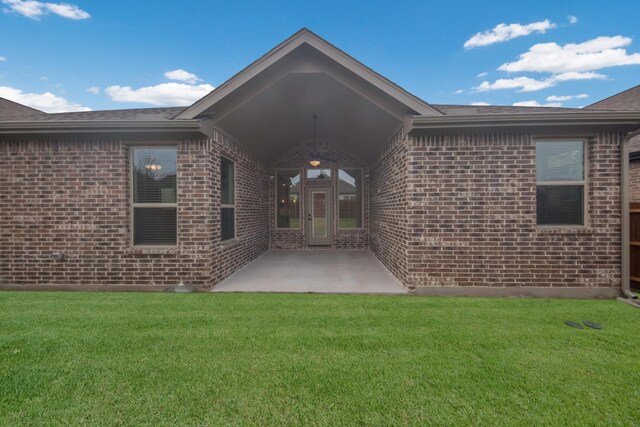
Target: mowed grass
[(246, 359)]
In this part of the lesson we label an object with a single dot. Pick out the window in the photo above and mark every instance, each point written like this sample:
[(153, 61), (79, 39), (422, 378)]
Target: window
[(287, 199), (350, 198), (154, 196), (560, 167), (228, 202), (313, 174)]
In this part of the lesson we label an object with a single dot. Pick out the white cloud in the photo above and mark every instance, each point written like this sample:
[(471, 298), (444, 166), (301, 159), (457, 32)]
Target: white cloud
[(572, 19), (161, 94), (503, 32), (525, 84), (528, 84), (46, 102), (563, 98), (595, 54), (459, 91), (182, 75), (67, 10), (574, 75), (481, 75), (480, 103), (43, 78), (536, 104), (3, 58), (94, 89), (35, 9)]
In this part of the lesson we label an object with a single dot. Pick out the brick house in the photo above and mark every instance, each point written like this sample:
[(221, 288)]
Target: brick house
[(307, 148), (628, 100)]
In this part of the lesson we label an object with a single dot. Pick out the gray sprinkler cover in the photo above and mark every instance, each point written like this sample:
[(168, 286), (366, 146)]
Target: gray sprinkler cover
[(592, 325), (573, 324)]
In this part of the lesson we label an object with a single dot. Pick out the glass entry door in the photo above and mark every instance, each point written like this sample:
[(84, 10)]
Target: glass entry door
[(319, 216)]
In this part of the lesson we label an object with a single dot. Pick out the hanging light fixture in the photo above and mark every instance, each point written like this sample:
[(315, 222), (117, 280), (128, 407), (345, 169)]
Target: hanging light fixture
[(315, 161), (153, 164)]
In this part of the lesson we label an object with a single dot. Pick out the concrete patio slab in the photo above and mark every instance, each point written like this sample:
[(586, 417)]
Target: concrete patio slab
[(356, 272)]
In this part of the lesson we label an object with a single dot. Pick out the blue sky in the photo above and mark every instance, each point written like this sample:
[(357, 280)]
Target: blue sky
[(122, 54)]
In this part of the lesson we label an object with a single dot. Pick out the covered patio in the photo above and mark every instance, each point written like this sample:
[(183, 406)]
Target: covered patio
[(315, 271), (309, 168)]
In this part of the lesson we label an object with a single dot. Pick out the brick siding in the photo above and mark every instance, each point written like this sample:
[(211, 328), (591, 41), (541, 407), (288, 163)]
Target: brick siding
[(72, 196), (634, 172), (389, 207), (252, 229), (472, 216), (454, 210)]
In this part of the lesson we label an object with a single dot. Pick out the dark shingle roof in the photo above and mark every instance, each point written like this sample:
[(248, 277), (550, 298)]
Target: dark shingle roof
[(9, 108), (102, 115), (465, 110), (629, 100), (27, 114)]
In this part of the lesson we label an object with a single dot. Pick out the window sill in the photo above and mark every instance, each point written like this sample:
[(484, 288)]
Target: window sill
[(152, 249), (229, 243), (562, 229)]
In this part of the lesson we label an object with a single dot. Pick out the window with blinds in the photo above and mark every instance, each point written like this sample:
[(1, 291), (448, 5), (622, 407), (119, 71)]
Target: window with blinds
[(154, 196), (288, 185), (349, 198), (228, 200), (560, 170)]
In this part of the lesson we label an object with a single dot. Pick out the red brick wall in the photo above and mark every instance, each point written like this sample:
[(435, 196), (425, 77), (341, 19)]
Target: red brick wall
[(389, 207), (634, 172), (72, 196), (634, 181), (472, 219), (439, 211), (298, 158), (252, 228)]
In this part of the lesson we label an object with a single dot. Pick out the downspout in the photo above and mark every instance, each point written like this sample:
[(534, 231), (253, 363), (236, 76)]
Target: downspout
[(624, 198)]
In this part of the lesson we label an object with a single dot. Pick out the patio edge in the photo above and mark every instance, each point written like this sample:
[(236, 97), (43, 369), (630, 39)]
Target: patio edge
[(536, 292)]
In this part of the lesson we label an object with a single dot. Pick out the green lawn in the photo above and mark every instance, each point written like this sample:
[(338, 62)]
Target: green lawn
[(214, 359)]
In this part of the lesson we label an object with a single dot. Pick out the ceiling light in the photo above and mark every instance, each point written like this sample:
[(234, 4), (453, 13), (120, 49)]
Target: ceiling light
[(153, 167)]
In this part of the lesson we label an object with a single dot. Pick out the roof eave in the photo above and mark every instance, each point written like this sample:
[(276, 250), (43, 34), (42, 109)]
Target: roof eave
[(48, 127), (626, 118)]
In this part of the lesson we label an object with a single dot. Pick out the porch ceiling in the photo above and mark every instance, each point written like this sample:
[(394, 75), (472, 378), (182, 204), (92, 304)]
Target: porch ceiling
[(273, 112), (280, 117)]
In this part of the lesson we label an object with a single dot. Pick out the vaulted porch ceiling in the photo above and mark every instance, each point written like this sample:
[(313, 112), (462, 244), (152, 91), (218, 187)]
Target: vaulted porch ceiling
[(280, 117), (268, 107)]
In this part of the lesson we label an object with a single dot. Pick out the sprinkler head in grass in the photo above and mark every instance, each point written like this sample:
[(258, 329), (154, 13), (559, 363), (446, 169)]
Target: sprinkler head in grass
[(592, 325), (573, 324)]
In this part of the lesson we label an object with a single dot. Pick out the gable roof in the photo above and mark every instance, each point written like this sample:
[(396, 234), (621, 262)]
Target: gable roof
[(10, 108), (306, 37), (132, 114), (628, 100)]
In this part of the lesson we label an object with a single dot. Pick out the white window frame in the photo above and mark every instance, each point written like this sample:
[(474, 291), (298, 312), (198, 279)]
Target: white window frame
[(235, 200), (584, 182), (361, 196), (275, 195), (133, 205)]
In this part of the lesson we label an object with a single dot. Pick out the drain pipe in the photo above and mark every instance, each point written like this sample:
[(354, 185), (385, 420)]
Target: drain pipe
[(624, 196)]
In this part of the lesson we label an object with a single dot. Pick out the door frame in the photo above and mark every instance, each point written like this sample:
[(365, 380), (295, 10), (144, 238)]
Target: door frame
[(328, 190)]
